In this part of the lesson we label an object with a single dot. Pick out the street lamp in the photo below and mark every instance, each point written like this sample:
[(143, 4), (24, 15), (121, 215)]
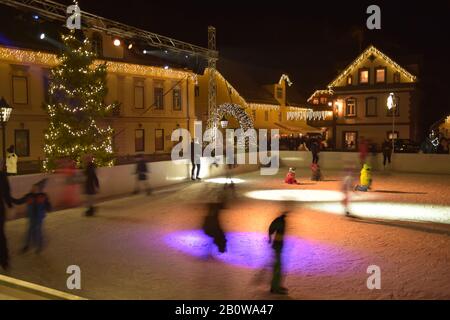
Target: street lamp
[(5, 113), (391, 105)]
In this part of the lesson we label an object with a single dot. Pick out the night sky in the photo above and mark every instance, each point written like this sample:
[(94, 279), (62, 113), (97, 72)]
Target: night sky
[(309, 41)]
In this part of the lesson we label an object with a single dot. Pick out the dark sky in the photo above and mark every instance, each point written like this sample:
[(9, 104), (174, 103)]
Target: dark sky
[(310, 41)]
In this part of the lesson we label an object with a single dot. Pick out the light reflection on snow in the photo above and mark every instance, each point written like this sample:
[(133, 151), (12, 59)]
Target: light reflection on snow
[(302, 195), (251, 250), (224, 180), (391, 211)]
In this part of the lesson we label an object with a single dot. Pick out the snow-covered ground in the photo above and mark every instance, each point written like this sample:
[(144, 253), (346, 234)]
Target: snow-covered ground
[(143, 247)]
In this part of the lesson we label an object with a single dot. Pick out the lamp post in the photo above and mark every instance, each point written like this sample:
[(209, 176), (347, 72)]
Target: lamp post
[(5, 113), (391, 105)]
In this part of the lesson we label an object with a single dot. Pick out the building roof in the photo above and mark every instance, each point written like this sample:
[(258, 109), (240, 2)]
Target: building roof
[(250, 80), (371, 50)]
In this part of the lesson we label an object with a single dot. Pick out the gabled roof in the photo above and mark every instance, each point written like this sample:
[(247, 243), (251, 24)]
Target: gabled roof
[(369, 51), (249, 82)]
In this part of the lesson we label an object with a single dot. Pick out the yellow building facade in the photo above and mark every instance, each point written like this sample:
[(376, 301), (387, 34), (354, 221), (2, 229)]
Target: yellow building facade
[(154, 101)]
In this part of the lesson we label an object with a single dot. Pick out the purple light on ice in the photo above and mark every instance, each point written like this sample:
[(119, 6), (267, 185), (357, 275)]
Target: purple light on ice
[(251, 250)]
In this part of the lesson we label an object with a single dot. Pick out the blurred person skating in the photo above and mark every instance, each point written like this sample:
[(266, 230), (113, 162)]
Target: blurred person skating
[(277, 229), (38, 205), (316, 173), (196, 153), (5, 200), (11, 161), (315, 150), (365, 179), (347, 188), (91, 186), (291, 177), (387, 152), (212, 226), (141, 176)]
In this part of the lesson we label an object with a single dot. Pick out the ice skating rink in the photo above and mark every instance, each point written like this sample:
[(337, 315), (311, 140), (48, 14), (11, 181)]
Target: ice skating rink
[(152, 247)]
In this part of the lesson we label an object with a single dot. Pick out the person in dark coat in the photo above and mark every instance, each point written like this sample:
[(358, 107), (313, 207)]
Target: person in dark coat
[(196, 151), (91, 186), (212, 226), (387, 151), (315, 149), (38, 205), (5, 198), (277, 229), (141, 173)]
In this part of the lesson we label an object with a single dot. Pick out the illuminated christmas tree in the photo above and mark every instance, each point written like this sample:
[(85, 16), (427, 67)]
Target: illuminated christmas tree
[(76, 110)]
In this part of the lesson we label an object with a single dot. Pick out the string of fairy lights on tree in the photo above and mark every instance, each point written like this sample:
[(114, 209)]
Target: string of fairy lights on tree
[(77, 90)]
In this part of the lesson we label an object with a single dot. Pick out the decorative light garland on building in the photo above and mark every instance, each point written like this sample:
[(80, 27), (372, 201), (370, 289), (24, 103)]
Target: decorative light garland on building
[(369, 51), (262, 106), (328, 92), (51, 60), (285, 77), (308, 115)]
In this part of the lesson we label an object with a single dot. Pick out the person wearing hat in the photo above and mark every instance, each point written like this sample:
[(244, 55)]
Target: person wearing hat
[(290, 177), (38, 205), (5, 198)]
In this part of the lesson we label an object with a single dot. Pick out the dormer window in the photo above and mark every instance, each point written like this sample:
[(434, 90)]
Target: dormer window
[(349, 80), (397, 77), (363, 76), (323, 100), (279, 93), (380, 75), (316, 101)]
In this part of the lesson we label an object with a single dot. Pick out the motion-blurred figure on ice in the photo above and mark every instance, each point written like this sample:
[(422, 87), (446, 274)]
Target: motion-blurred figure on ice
[(365, 179), (387, 152), (212, 226), (277, 229), (316, 173), (363, 150), (38, 205), (71, 183), (5, 198), (141, 175), (91, 186), (315, 149), (347, 188)]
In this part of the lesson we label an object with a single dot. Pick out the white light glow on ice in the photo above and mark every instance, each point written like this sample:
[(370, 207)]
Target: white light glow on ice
[(225, 180), (390, 211), (295, 195)]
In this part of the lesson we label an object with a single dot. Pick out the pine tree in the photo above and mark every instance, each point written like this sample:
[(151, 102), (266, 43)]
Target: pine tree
[(76, 110)]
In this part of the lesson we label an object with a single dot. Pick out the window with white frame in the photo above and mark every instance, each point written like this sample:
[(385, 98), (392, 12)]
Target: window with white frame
[(350, 107)]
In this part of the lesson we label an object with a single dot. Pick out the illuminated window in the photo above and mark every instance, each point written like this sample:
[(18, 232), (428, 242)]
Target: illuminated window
[(177, 99), (371, 107), (349, 80), (390, 135), (350, 107), (20, 89), (380, 75), (158, 93), (316, 101), (364, 76), (350, 139), (323, 100)]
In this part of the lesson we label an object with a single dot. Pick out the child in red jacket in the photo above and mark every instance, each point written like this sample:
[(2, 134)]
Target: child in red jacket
[(290, 177)]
